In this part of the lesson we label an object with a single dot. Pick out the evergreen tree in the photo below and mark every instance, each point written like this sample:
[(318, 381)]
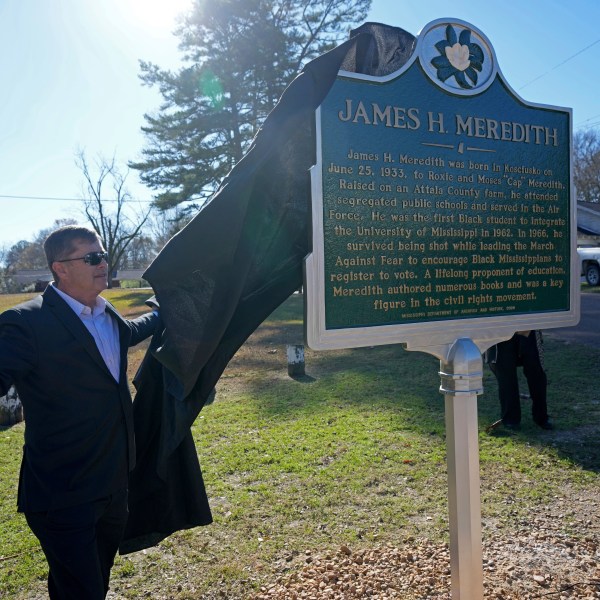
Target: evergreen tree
[(239, 56)]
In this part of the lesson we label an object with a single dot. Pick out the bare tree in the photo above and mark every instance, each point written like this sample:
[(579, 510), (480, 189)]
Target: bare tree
[(586, 165), (112, 217), (164, 224)]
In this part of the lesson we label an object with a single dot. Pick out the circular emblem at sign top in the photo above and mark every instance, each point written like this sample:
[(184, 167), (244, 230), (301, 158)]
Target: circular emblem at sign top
[(457, 56)]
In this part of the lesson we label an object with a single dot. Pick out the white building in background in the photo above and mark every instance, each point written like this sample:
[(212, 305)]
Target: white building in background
[(588, 224)]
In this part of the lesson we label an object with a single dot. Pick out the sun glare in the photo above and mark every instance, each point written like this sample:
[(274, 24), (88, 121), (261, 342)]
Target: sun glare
[(156, 15)]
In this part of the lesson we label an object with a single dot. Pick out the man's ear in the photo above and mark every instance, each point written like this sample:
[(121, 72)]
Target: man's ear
[(60, 269)]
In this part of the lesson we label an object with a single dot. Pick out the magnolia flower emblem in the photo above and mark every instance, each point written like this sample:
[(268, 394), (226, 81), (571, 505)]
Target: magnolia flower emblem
[(460, 58)]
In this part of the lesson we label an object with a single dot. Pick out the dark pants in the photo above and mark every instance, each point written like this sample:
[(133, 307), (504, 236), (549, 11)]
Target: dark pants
[(80, 544), (517, 351)]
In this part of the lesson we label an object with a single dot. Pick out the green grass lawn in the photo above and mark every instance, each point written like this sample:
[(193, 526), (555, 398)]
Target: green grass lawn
[(129, 302), (354, 453)]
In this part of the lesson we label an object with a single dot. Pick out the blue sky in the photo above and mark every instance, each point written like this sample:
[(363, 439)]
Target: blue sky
[(69, 71)]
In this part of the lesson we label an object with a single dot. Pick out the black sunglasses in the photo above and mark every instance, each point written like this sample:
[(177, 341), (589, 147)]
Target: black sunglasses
[(91, 258)]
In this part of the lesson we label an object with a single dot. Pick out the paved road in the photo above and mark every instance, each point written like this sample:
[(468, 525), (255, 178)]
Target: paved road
[(588, 330)]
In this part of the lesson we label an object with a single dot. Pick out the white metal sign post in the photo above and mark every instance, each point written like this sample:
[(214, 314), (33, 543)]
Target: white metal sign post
[(461, 382)]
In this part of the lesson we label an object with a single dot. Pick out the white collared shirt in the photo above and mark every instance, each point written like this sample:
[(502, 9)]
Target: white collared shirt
[(103, 328)]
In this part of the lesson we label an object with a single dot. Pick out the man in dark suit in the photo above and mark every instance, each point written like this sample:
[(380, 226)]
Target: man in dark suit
[(66, 353), (525, 348)]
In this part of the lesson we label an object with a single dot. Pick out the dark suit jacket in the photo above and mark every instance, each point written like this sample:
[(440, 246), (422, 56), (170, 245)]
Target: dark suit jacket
[(79, 441)]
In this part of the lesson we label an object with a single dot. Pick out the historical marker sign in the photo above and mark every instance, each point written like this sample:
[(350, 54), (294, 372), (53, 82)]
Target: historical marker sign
[(442, 204)]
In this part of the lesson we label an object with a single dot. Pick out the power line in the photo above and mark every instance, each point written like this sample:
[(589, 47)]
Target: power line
[(14, 197), (587, 124), (560, 64)]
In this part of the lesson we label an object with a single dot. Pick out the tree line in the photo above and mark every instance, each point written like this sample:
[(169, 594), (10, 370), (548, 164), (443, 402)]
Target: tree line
[(132, 235)]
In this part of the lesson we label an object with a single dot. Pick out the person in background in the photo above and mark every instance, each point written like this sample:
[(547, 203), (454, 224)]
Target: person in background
[(524, 349), (65, 351)]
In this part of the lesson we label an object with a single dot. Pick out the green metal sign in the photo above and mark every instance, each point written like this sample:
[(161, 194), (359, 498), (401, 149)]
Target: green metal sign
[(442, 195)]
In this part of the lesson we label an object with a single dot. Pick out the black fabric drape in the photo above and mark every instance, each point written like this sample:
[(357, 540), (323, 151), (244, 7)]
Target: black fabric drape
[(166, 492), (223, 274)]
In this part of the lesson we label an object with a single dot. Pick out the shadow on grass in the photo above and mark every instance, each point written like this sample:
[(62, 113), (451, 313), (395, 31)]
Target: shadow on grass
[(406, 385), (303, 378)]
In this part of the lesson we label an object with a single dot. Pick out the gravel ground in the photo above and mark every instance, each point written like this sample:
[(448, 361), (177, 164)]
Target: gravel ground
[(513, 570), (537, 559)]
